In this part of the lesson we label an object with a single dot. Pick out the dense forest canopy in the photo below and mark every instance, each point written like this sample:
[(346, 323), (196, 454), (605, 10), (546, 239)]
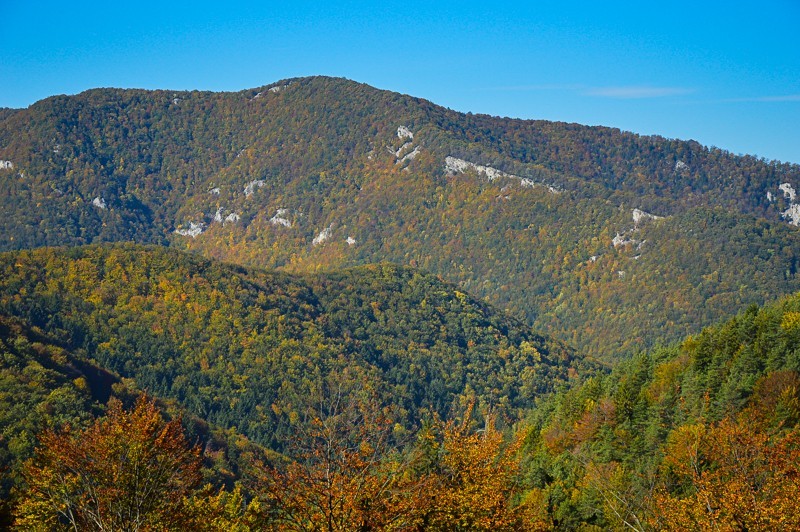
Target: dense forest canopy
[(699, 435), (578, 230), (245, 348), (318, 302), (467, 411)]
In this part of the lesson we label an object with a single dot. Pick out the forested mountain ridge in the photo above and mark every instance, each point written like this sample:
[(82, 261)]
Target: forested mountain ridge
[(250, 352), (246, 349), (608, 240)]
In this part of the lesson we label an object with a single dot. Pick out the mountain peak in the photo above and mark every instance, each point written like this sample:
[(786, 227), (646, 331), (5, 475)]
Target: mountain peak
[(511, 210)]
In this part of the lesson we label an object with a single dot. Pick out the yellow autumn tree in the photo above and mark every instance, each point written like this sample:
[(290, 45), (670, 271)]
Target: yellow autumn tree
[(474, 483)]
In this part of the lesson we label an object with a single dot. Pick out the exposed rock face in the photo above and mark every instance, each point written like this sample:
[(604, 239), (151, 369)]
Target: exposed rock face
[(454, 165), (323, 235), (251, 187), (788, 191), (404, 133), (194, 229), (280, 218), (640, 216), (792, 214)]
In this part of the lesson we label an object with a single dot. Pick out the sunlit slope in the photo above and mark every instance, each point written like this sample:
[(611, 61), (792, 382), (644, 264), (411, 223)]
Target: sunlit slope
[(608, 240)]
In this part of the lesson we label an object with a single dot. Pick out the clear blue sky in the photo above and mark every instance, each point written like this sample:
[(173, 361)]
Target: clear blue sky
[(724, 73)]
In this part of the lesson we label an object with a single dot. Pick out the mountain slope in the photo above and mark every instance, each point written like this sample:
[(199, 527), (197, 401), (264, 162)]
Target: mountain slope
[(246, 349), (46, 386), (608, 240), (707, 422)]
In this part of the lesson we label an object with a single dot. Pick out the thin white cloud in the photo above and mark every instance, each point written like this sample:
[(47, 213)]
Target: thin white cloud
[(783, 98), (544, 87), (636, 92), (621, 92)]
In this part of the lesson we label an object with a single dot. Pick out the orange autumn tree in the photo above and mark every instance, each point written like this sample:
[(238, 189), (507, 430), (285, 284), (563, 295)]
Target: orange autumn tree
[(346, 472), (742, 473), (128, 471), (349, 473)]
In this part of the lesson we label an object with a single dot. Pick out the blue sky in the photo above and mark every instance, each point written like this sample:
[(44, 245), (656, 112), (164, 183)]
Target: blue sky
[(724, 73)]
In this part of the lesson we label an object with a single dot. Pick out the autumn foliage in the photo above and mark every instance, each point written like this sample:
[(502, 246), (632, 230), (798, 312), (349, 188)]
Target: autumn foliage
[(475, 482), (701, 436), (351, 474), (730, 476), (128, 471), (345, 473), (353, 469)]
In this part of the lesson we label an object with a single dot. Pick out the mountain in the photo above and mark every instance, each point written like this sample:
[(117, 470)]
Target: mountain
[(247, 349), (608, 240), (246, 354)]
